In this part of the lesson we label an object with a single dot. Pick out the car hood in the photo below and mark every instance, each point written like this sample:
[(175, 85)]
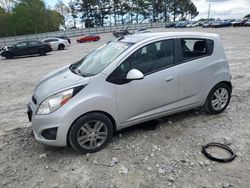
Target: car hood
[(57, 81)]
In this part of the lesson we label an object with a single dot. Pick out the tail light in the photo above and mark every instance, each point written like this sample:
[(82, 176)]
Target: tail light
[(49, 45)]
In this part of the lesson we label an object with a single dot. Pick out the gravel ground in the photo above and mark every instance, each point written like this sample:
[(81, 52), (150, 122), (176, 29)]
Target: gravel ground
[(166, 153)]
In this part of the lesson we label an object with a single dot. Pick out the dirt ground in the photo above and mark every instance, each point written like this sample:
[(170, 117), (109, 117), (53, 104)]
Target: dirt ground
[(167, 156)]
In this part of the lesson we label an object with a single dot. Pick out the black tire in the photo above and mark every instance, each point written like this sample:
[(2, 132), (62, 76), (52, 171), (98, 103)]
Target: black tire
[(209, 107), (8, 55), (61, 47), (75, 132), (42, 52)]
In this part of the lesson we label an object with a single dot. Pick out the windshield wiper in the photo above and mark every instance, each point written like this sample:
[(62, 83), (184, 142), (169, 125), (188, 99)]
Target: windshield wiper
[(79, 72), (74, 68)]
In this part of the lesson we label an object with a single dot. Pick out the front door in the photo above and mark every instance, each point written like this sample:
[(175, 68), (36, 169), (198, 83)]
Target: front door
[(21, 48), (157, 92)]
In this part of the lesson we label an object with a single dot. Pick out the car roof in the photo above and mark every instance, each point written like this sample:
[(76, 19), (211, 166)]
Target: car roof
[(51, 38), (135, 38), (28, 41)]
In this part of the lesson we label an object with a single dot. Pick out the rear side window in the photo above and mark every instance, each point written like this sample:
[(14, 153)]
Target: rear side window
[(33, 43), (54, 40), (51, 40), (196, 48)]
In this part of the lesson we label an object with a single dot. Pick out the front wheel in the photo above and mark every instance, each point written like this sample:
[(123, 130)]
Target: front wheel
[(91, 133), (8, 55), (218, 99)]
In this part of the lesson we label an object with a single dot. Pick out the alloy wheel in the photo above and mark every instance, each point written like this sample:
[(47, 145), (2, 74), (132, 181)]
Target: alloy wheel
[(92, 134), (220, 99)]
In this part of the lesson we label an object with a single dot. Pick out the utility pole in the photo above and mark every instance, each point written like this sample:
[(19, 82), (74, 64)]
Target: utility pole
[(209, 8)]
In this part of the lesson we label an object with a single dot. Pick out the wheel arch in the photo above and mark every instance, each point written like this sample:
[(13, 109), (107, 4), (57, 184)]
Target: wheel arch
[(60, 45), (42, 48), (111, 118), (227, 83)]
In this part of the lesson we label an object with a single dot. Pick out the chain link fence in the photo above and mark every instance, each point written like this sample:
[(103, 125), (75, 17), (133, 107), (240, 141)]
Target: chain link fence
[(74, 33)]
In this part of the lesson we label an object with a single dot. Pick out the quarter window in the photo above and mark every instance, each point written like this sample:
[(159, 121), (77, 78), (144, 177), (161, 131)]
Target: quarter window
[(194, 48), (33, 43)]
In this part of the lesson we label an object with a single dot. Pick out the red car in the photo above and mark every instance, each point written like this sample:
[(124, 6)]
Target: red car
[(87, 38)]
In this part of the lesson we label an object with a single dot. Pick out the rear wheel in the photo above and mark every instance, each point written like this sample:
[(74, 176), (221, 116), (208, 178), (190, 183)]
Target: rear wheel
[(90, 133), (42, 52), (61, 47), (218, 99)]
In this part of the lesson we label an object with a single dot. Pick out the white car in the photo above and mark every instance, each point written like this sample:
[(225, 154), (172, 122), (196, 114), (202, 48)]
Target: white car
[(56, 43)]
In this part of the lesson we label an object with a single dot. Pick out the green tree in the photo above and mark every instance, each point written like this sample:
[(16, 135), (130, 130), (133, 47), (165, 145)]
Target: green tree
[(64, 10), (28, 17), (74, 12), (247, 16), (94, 12), (3, 16), (182, 9)]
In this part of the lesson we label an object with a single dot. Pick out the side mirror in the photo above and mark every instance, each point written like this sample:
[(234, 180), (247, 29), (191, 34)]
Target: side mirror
[(134, 74)]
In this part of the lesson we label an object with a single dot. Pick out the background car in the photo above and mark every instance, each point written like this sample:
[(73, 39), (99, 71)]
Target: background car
[(57, 43), (181, 24), (247, 23), (122, 32), (216, 24), (88, 38), (169, 25), (207, 24), (64, 37), (239, 23), (226, 23), (26, 48)]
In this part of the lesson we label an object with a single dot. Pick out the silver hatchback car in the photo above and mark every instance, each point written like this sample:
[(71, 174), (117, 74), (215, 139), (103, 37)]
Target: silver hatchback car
[(129, 81)]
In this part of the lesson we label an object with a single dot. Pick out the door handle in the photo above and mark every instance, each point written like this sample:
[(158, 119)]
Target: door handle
[(169, 79)]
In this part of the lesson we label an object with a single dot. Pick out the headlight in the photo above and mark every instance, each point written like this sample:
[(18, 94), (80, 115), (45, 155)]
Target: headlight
[(54, 102)]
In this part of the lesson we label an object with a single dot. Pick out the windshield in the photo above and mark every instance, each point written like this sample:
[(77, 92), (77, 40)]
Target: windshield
[(98, 60)]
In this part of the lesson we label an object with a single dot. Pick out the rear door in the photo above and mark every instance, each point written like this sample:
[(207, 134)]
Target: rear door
[(157, 92), (33, 47), (54, 43), (195, 69)]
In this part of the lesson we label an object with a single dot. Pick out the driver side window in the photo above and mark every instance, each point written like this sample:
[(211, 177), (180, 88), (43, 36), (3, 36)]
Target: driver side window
[(148, 59), (21, 44)]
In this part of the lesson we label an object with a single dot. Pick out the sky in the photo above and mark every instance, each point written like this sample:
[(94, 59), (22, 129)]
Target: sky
[(219, 8), (223, 8)]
